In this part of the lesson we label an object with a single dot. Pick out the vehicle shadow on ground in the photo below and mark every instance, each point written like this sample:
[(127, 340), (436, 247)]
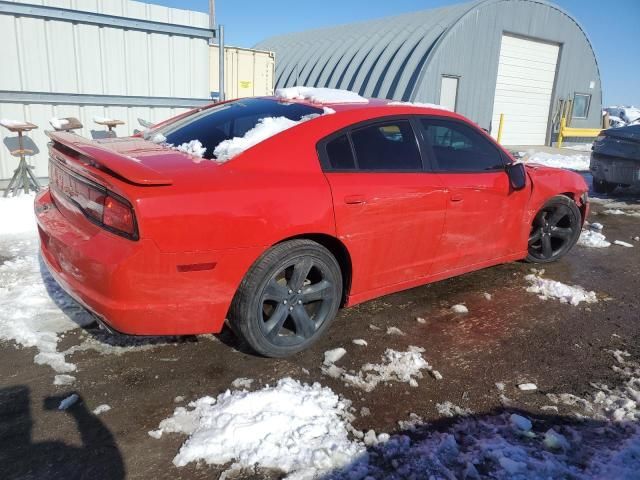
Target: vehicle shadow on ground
[(489, 445), (21, 457)]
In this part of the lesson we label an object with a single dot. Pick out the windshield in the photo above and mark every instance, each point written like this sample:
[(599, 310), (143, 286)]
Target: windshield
[(217, 124)]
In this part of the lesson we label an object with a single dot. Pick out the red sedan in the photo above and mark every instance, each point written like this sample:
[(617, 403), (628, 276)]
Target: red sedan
[(351, 202)]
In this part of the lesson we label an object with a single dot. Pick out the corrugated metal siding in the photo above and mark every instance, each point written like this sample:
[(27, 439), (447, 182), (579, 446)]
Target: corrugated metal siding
[(404, 57), (248, 73), (471, 50), (60, 57), (368, 57)]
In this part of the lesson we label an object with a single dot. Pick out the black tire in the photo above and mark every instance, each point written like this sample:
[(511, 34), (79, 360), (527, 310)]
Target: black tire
[(602, 186), (555, 230), (280, 310)]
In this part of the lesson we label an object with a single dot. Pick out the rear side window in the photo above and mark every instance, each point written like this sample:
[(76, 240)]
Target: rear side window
[(214, 125), (387, 146), (459, 148), (340, 154)]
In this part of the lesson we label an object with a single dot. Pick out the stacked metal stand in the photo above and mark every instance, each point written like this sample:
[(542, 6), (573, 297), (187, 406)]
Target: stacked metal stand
[(23, 177)]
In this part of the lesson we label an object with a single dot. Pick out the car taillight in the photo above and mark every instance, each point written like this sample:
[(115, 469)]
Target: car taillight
[(118, 215), (98, 204)]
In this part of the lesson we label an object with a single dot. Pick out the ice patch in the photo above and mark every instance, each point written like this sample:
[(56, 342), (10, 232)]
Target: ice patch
[(299, 429), (547, 289), (320, 95), (360, 342)]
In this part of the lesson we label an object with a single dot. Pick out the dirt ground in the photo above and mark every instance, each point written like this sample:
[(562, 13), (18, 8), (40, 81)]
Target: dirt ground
[(513, 338)]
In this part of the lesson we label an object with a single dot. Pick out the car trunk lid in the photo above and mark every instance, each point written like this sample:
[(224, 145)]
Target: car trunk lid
[(123, 158)]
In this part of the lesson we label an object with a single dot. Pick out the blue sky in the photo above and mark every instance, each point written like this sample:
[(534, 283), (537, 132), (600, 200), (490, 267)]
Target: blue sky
[(612, 26)]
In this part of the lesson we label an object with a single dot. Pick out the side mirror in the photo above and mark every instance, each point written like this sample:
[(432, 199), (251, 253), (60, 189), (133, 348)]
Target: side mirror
[(517, 175)]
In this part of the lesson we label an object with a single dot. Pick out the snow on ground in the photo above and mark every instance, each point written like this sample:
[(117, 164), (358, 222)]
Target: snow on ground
[(448, 409), (547, 289), (320, 95), (34, 310), (101, 409), (578, 162), (604, 445), (620, 243), (459, 308), (590, 238), (68, 402), (297, 428), (31, 303), (395, 367), (580, 147)]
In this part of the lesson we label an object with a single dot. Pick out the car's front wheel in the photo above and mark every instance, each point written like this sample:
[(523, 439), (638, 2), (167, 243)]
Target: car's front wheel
[(288, 298), (555, 230)]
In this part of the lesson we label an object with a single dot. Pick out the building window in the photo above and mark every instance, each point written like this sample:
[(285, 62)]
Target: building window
[(581, 102)]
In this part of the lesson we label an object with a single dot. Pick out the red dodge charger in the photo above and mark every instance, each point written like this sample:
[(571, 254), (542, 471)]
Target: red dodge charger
[(275, 228)]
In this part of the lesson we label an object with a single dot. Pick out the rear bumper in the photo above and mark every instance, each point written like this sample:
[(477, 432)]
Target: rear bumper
[(133, 287), (615, 170)]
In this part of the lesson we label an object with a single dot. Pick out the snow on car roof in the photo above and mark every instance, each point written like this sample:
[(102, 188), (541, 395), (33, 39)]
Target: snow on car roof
[(320, 95)]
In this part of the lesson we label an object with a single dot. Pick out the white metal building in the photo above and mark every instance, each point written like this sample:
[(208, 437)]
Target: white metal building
[(85, 58)]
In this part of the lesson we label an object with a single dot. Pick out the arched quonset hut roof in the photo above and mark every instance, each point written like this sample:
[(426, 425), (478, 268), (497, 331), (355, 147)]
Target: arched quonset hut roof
[(378, 58), (403, 57)]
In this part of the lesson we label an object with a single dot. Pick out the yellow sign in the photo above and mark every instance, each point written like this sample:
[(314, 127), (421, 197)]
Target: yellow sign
[(245, 84)]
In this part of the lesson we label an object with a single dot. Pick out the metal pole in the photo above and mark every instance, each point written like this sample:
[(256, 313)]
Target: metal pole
[(212, 14), (221, 62)]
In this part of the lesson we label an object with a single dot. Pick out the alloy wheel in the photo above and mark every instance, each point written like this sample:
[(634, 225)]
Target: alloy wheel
[(553, 232), (295, 302)]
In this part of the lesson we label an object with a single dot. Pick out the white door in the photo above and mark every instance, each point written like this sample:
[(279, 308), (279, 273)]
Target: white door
[(449, 92), (526, 74)]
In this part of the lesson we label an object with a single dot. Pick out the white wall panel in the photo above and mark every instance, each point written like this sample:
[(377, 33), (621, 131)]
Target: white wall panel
[(40, 115), (44, 55)]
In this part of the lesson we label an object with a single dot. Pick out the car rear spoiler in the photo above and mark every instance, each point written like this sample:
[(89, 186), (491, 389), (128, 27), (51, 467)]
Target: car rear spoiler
[(125, 167)]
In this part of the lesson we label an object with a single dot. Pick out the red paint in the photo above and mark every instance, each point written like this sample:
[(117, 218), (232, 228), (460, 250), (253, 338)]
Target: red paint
[(400, 229)]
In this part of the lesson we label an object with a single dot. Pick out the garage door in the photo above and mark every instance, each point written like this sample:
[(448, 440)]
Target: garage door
[(526, 74)]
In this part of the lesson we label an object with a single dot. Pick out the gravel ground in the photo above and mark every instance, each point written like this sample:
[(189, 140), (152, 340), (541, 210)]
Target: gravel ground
[(511, 339)]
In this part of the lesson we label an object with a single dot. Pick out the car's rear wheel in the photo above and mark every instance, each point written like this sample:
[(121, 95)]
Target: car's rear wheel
[(602, 186), (555, 230), (288, 298)]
